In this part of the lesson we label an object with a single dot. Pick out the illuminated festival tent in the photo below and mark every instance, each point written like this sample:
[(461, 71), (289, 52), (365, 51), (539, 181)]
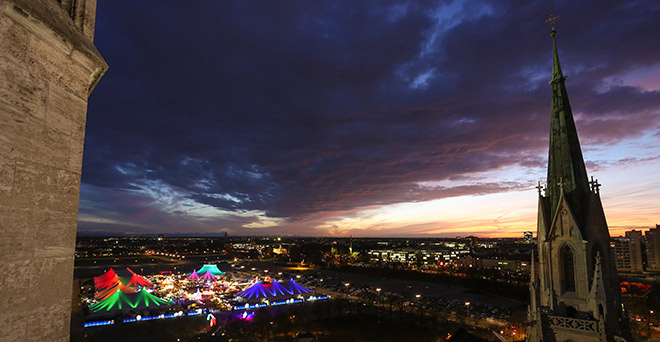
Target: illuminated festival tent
[(296, 288), (257, 290), (196, 296), (121, 300), (107, 279), (137, 281), (110, 282), (207, 275), (210, 268), (276, 289), (273, 290), (193, 275), (108, 292)]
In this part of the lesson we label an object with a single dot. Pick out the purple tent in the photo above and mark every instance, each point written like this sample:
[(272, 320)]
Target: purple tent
[(295, 287), (273, 290), (257, 290), (193, 276), (278, 288)]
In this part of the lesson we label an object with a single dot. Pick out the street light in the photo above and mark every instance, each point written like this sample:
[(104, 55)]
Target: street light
[(418, 296), (467, 306)]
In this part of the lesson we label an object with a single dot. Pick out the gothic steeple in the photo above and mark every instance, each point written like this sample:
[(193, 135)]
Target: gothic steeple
[(565, 162), (573, 242)]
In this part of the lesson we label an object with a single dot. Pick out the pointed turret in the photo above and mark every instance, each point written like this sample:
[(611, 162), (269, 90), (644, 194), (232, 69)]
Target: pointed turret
[(597, 291), (565, 162), (533, 288)]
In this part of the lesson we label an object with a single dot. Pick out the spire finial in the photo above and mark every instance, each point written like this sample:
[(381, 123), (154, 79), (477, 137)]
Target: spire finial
[(539, 187), (595, 186), (556, 68), (552, 20)]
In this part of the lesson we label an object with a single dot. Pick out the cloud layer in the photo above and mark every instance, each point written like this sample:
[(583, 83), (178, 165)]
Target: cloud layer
[(278, 117)]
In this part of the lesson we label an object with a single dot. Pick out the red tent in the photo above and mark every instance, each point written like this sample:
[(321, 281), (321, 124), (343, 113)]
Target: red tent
[(103, 294), (107, 279), (137, 281)]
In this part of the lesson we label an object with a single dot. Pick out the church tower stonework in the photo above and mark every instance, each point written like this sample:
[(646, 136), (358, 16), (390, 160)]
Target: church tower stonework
[(48, 68), (574, 287)]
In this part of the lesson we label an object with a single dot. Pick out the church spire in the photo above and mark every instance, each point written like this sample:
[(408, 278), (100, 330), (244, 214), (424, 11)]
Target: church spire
[(565, 162), (556, 67)]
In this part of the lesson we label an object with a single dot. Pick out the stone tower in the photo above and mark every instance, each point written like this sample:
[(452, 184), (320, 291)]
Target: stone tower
[(48, 67), (575, 292)]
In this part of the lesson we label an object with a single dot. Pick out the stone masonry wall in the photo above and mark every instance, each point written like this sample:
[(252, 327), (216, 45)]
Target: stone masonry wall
[(48, 66)]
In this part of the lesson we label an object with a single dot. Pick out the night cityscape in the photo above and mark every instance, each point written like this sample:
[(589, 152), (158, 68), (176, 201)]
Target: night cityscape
[(329, 171)]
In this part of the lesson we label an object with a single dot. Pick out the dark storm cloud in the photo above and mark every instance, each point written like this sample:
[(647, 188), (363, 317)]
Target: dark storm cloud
[(295, 108)]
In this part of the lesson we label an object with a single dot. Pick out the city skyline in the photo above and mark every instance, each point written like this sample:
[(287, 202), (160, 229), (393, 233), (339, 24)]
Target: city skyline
[(355, 119)]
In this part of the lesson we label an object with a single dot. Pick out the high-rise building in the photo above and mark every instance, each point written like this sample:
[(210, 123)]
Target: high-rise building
[(628, 252), (48, 67), (636, 246), (574, 288), (653, 248)]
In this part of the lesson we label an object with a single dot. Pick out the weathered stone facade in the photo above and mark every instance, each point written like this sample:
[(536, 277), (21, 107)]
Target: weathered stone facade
[(48, 67)]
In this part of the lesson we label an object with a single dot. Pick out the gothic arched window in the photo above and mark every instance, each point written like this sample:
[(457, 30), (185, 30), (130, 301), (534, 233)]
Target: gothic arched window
[(568, 269)]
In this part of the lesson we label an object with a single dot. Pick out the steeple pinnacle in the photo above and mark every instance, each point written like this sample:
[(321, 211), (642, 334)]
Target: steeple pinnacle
[(565, 162), (556, 68)]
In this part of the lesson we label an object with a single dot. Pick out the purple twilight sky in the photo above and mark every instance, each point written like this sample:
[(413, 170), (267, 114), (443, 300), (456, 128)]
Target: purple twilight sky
[(370, 118)]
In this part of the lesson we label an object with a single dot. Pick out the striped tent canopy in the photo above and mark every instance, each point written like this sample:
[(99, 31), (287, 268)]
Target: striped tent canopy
[(273, 290), (210, 268), (137, 281), (121, 300), (278, 289), (257, 290), (109, 282), (109, 291), (207, 275), (107, 279), (296, 288)]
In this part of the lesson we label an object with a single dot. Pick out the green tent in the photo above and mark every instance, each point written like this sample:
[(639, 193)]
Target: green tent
[(120, 300)]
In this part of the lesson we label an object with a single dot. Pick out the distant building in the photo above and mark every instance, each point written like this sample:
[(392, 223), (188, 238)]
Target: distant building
[(636, 247), (413, 256), (502, 263), (653, 248), (628, 254), (528, 237)]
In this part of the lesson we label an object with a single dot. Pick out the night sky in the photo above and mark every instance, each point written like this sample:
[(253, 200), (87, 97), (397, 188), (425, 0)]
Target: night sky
[(370, 118)]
